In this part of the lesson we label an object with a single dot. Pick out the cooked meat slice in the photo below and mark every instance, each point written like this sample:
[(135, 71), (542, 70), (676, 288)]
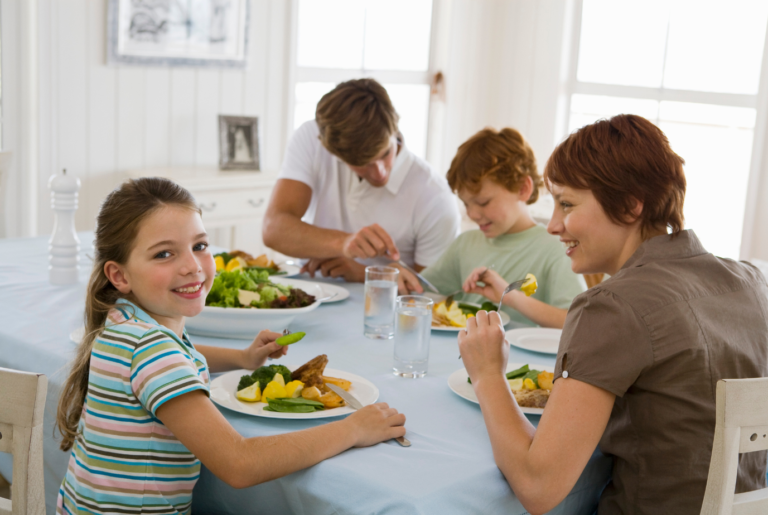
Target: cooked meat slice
[(311, 372), (532, 398)]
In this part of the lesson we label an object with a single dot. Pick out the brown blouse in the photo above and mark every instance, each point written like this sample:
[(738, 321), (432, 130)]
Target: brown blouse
[(659, 335)]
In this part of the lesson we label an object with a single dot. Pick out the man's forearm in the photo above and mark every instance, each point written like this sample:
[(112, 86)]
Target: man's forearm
[(291, 236)]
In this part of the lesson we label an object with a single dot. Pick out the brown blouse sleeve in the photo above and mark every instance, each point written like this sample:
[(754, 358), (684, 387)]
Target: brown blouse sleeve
[(604, 342)]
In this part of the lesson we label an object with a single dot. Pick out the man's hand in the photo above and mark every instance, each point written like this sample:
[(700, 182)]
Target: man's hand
[(349, 269), (406, 281), (369, 242), (483, 346)]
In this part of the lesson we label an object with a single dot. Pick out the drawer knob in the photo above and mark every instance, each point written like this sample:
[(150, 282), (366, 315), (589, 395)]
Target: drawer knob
[(208, 207), (255, 203)]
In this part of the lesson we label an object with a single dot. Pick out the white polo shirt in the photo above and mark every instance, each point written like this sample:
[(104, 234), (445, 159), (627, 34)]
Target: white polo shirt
[(416, 207)]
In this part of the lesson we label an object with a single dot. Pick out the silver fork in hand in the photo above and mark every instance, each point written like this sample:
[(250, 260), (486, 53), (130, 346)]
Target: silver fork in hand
[(511, 286)]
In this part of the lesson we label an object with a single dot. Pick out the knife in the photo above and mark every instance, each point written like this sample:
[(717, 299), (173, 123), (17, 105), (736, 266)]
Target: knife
[(356, 404), (419, 276)]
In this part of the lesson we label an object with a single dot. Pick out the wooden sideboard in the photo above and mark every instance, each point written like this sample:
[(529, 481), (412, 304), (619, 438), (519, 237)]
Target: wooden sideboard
[(233, 202)]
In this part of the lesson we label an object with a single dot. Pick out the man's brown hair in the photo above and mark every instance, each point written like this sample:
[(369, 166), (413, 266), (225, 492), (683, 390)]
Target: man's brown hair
[(356, 121), (502, 156), (621, 160)]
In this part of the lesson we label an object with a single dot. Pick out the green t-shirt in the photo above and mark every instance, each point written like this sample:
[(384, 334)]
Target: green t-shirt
[(512, 255)]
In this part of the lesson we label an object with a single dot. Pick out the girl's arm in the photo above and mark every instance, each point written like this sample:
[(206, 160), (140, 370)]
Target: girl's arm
[(241, 462), (541, 465), (222, 359), (538, 312)]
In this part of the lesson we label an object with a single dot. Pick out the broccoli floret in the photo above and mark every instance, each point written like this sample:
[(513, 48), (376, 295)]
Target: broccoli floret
[(265, 374), (245, 382)]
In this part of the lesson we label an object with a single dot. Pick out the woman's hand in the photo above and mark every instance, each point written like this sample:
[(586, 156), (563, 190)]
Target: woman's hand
[(483, 346), (375, 423), (494, 283), (263, 347)]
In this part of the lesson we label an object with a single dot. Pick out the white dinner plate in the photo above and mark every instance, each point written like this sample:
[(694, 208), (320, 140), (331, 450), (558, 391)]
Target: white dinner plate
[(504, 320), (458, 383), (289, 268), (224, 387), (536, 339), (329, 289)]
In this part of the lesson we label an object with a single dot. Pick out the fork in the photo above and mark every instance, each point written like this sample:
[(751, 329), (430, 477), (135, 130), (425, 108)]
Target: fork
[(449, 298)]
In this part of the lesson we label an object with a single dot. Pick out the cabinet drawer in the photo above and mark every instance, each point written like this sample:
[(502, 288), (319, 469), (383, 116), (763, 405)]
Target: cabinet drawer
[(247, 204)]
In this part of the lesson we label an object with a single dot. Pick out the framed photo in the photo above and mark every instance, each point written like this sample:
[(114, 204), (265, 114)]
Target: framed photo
[(178, 32), (238, 142)]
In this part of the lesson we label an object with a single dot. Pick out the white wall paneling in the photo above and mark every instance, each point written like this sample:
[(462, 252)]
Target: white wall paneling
[(99, 121)]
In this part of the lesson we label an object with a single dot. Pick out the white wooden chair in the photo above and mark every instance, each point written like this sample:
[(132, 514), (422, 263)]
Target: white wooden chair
[(22, 403), (742, 426)]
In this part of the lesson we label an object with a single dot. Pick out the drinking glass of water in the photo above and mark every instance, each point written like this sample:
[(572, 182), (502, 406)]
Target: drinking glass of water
[(413, 326), (380, 293)]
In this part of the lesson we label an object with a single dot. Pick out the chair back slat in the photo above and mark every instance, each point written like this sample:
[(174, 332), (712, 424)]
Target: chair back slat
[(20, 402), (753, 438), (22, 405), (741, 426), (751, 503), (746, 402)]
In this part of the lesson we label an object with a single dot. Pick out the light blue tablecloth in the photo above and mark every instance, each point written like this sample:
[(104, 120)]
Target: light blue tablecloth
[(449, 468)]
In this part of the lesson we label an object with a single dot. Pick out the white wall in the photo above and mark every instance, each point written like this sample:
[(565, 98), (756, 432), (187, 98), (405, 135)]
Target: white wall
[(97, 120)]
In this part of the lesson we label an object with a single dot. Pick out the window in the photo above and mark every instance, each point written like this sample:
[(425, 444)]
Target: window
[(693, 68), (389, 40)]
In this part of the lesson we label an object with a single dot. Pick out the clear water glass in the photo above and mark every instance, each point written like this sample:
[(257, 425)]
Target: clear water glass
[(413, 328), (380, 293)]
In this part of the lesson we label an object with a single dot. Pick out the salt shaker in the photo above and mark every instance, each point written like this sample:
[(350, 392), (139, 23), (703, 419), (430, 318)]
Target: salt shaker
[(64, 246)]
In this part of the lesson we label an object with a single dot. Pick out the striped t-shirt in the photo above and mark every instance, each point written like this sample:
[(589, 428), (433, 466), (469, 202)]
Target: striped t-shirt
[(125, 460)]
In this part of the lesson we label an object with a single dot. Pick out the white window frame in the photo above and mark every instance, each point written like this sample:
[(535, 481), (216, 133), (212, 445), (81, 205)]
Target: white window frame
[(758, 101), (437, 58)]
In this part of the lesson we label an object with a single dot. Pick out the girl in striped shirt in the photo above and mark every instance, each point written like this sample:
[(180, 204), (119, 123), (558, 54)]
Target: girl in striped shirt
[(135, 409)]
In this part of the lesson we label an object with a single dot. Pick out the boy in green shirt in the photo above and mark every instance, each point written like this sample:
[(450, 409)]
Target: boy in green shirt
[(495, 176)]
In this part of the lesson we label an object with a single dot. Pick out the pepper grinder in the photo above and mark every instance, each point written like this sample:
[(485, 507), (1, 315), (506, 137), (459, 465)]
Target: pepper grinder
[(64, 246)]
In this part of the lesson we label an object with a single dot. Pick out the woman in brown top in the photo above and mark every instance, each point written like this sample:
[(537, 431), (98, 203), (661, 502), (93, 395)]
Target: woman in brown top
[(641, 353)]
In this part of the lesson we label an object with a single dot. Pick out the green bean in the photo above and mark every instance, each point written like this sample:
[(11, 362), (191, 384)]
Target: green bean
[(290, 338)]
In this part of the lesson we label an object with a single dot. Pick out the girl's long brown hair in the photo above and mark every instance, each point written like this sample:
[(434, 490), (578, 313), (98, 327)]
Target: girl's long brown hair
[(117, 225)]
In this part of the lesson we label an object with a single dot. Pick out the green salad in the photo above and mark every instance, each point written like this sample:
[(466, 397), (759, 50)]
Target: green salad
[(252, 289)]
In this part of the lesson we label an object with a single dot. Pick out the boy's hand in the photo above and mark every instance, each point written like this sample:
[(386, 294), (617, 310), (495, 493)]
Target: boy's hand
[(263, 347), (483, 346), (494, 283), (406, 281)]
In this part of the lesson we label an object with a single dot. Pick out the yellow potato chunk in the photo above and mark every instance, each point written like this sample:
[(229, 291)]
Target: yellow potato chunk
[(311, 393), (545, 380), (529, 286), (341, 383), (274, 390), (330, 400), (219, 260), (528, 384), (294, 388)]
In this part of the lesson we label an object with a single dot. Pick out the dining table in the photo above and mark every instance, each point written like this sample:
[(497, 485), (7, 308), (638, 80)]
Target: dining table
[(449, 468)]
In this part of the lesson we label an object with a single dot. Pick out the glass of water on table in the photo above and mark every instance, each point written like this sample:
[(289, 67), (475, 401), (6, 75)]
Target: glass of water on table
[(380, 293), (413, 328)]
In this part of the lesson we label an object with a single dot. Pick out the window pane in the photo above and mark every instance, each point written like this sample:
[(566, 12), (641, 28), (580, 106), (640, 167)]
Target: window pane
[(622, 42), (397, 34), (717, 150), (308, 94), (586, 109), (331, 34), (411, 102), (716, 143), (716, 46)]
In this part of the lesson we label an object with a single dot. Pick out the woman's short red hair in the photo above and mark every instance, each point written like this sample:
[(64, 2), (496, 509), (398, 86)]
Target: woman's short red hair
[(621, 160)]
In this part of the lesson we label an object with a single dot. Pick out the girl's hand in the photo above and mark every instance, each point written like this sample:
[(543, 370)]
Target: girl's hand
[(483, 347), (376, 423), (263, 347), (494, 284)]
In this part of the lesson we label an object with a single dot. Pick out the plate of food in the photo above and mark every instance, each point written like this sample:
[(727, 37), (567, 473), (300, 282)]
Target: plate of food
[(535, 339), (242, 302), (291, 394), (455, 318), (530, 384), (339, 292), (239, 259)]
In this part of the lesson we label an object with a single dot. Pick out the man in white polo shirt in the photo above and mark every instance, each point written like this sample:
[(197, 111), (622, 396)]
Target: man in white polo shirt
[(351, 194)]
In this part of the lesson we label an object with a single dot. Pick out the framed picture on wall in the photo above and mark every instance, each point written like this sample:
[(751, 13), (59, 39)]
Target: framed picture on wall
[(178, 33), (238, 142)]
